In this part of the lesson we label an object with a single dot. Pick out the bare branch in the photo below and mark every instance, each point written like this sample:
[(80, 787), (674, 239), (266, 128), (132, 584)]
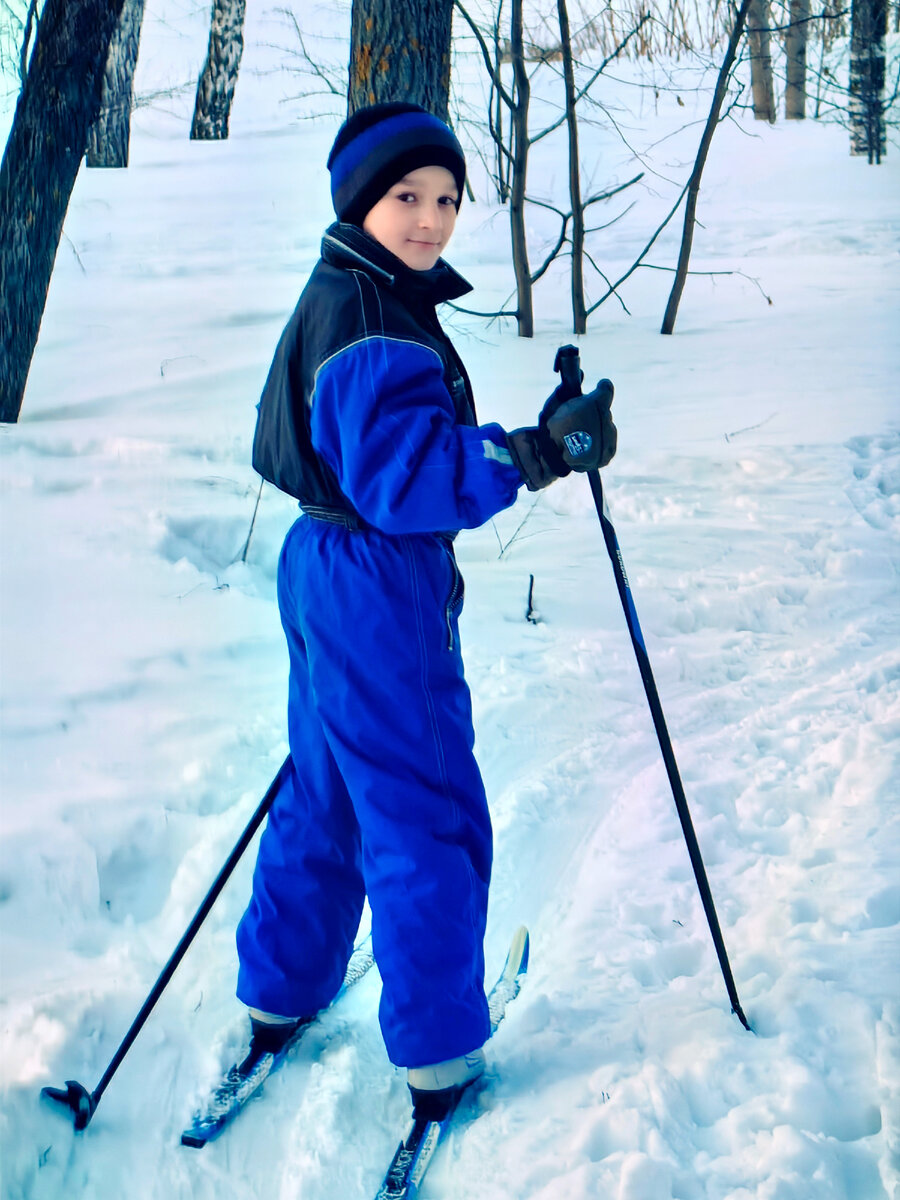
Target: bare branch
[(824, 16), (556, 249), (618, 217), (605, 279), (472, 313), (750, 278), (634, 266), (613, 191), (486, 55), (546, 204), (317, 69), (593, 79)]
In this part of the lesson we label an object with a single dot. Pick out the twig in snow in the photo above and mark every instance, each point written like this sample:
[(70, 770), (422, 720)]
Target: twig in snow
[(531, 614), (749, 428), (75, 252), (167, 362), (504, 549), (750, 278), (242, 557)]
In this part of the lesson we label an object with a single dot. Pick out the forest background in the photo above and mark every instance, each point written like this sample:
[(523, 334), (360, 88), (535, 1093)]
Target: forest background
[(757, 499)]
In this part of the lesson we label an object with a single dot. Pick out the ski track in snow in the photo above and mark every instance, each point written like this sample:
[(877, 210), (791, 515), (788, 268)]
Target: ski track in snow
[(756, 497), (785, 686)]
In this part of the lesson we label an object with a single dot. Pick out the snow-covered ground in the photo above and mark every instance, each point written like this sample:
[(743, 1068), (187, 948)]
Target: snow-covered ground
[(756, 495)]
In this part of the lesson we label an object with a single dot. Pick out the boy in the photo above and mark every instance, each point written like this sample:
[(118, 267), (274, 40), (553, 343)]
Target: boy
[(367, 418)]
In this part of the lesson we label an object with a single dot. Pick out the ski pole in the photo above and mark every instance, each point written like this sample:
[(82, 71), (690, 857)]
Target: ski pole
[(75, 1096), (568, 365)]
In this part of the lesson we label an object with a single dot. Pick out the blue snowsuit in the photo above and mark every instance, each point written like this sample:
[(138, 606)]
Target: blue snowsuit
[(367, 418)]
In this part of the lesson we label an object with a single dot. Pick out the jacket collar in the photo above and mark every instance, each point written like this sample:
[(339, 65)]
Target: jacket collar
[(350, 247)]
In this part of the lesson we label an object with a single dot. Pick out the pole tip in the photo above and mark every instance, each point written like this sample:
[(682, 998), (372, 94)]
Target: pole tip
[(739, 1013), (76, 1098)]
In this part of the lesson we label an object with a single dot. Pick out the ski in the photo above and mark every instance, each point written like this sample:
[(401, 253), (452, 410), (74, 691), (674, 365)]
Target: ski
[(416, 1151), (238, 1086)]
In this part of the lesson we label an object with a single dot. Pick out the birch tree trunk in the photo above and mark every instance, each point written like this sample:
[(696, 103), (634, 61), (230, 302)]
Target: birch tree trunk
[(795, 50), (215, 90), (59, 100), (761, 80), (868, 30), (400, 50), (110, 133)]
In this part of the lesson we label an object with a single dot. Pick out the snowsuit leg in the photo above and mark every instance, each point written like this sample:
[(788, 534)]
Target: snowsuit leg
[(295, 939), (377, 615)]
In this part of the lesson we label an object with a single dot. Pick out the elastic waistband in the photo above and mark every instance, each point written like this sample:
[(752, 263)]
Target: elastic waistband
[(336, 516), (349, 520)]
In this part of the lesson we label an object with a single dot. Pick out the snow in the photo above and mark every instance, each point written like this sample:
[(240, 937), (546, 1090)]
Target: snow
[(756, 496)]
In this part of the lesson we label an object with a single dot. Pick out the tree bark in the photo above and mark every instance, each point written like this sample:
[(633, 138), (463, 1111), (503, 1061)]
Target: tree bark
[(400, 50), (693, 189), (761, 80), (868, 30), (579, 312), (522, 96), (215, 89), (60, 99), (110, 133), (795, 51)]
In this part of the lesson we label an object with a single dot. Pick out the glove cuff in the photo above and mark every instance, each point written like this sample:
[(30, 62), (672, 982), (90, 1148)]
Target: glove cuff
[(527, 447), (551, 453)]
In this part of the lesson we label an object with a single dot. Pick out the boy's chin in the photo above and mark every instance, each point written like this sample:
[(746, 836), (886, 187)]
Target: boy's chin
[(419, 258)]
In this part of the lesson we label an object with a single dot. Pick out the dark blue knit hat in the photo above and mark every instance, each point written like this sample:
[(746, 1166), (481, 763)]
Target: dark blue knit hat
[(379, 145)]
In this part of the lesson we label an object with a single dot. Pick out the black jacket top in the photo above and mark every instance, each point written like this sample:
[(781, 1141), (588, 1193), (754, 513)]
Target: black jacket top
[(367, 410)]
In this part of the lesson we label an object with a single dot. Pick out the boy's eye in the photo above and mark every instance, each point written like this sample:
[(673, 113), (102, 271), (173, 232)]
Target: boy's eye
[(406, 197), (448, 200)]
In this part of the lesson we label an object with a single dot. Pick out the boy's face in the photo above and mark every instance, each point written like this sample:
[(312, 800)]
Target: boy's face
[(415, 218)]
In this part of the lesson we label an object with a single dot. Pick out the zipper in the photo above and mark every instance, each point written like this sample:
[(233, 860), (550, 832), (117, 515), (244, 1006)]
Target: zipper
[(457, 592)]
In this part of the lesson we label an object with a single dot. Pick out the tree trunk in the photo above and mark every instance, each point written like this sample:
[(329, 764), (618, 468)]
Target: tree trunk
[(579, 313), (215, 89), (867, 37), (503, 157), (522, 96), (693, 190), (60, 99), (795, 50), (761, 80), (110, 133), (400, 50)]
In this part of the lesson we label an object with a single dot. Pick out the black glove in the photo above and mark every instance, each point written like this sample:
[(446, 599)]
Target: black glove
[(581, 430), (573, 434)]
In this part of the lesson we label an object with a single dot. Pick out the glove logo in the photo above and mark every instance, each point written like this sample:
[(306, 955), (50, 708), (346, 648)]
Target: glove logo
[(578, 443)]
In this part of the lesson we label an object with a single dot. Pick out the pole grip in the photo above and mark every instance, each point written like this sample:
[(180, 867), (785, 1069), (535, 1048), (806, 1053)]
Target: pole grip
[(568, 366)]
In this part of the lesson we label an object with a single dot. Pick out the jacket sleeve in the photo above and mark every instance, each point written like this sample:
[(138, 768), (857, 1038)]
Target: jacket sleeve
[(383, 420)]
